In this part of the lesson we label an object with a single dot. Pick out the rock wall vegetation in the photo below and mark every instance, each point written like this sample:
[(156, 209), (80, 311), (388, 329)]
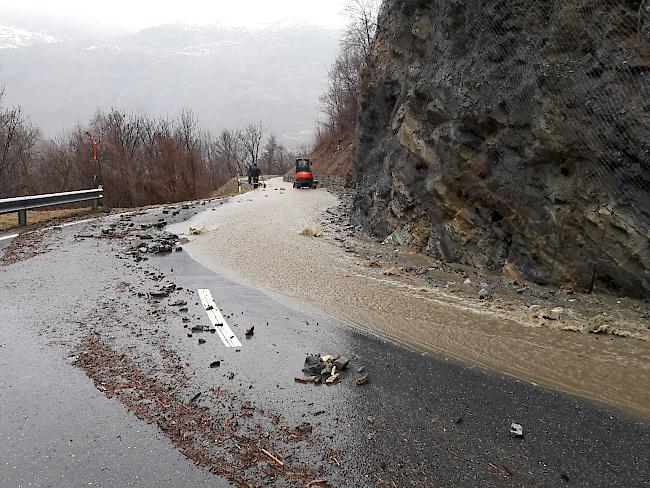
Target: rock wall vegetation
[(512, 135)]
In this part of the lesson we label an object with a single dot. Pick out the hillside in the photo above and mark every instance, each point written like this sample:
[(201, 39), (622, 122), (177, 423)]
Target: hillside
[(512, 137), (333, 155)]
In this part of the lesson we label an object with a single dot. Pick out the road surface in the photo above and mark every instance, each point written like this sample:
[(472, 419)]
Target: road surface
[(108, 378)]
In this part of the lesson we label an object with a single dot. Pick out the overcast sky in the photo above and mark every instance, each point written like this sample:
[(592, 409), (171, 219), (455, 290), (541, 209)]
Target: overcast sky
[(138, 14)]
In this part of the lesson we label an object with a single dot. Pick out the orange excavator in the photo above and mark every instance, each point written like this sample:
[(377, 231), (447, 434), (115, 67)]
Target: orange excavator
[(304, 174)]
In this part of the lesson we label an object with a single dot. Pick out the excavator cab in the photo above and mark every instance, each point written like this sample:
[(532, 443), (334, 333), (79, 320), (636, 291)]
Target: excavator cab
[(304, 174)]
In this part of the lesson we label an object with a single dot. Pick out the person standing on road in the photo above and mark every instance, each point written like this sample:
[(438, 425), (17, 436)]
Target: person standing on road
[(254, 173)]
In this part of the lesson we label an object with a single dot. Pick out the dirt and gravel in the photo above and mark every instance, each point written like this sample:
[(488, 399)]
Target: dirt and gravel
[(115, 301), (301, 246)]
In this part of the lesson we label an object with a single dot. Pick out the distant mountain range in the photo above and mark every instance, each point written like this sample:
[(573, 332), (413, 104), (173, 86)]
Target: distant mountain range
[(227, 76)]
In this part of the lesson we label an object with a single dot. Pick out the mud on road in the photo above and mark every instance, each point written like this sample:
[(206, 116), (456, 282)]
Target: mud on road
[(300, 245), (118, 299)]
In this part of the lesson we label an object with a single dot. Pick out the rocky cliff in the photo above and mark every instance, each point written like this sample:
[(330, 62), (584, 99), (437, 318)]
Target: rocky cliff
[(512, 135)]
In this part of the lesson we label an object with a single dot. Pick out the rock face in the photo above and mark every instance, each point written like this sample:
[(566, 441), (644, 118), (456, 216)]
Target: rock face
[(512, 136)]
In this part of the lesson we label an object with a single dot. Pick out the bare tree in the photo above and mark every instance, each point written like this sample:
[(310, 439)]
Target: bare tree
[(230, 150), (339, 101), (270, 154), (361, 31), (251, 139), (17, 145)]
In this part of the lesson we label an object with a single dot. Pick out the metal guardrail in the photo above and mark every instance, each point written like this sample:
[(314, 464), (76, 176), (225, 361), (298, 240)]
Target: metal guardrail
[(22, 204)]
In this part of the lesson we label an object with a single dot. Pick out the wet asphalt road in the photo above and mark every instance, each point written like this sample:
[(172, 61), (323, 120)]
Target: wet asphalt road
[(421, 421)]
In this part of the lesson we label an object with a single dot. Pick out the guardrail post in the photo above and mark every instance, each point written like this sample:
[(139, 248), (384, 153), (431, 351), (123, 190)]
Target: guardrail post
[(95, 203), (22, 217)]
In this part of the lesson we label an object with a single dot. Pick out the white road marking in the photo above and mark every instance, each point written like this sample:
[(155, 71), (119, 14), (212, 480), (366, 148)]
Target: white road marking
[(10, 236), (217, 319), (67, 224)]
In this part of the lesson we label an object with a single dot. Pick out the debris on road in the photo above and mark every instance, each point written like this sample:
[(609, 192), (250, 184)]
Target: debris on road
[(516, 430), (271, 456), (321, 369), (159, 294), (250, 332), (215, 364), (305, 379), (363, 380), (304, 428)]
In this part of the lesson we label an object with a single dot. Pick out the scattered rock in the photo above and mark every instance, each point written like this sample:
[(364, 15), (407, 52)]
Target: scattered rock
[(341, 363), (250, 332), (363, 380), (215, 364), (202, 341), (483, 294), (313, 365), (304, 428), (332, 379), (305, 379), (516, 430)]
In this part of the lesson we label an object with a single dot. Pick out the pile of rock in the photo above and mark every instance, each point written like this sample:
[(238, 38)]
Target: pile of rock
[(324, 369), (158, 243)]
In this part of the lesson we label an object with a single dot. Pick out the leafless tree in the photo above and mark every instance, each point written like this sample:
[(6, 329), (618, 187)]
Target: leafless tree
[(361, 31), (18, 140), (230, 150), (251, 139), (339, 101)]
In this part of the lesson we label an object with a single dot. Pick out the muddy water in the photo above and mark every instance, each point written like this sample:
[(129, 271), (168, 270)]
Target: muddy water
[(256, 239)]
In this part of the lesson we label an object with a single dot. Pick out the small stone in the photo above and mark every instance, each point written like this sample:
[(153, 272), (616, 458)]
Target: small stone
[(341, 363), (363, 380), (201, 341), (313, 365), (305, 379), (332, 379), (516, 430), (215, 364), (250, 332), (304, 428), (483, 294)]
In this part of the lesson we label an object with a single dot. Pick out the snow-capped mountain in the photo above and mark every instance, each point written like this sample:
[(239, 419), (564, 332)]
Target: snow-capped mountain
[(228, 76), (14, 37)]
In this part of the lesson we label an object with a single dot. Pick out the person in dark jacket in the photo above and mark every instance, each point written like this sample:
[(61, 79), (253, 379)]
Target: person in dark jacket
[(255, 173), (248, 172)]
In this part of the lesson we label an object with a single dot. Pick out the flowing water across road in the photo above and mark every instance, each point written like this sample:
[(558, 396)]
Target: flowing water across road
[(256, 238)]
